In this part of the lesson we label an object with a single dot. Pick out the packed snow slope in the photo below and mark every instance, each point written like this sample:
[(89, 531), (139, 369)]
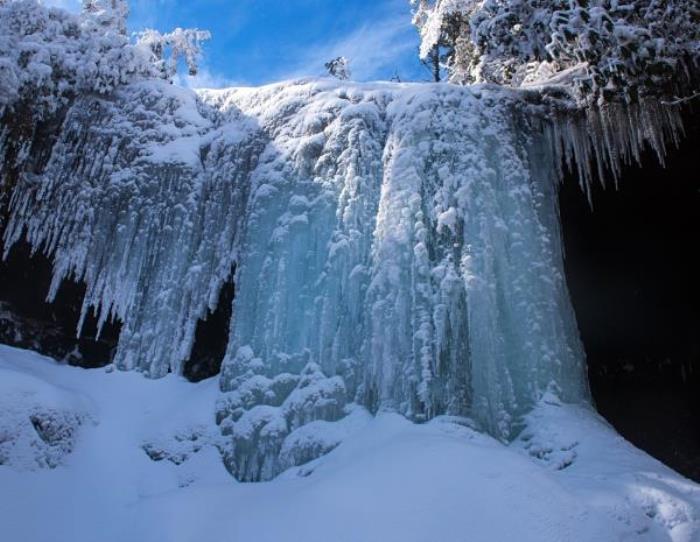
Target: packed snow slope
[(395, 247), (568, 478)]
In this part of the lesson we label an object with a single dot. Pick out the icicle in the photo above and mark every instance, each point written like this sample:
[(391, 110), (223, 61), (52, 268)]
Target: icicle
[(613, 136)]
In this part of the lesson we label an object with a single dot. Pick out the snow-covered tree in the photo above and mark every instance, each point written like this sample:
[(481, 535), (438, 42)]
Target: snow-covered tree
[(441, 25), (48, 56), (168, 49), (607, 49), (339, 68)]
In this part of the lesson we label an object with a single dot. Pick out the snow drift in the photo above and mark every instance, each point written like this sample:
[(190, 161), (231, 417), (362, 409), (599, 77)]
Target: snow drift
[(395, 247), (568, 478)]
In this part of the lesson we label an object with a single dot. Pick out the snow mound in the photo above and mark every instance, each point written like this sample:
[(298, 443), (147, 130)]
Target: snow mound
[(643, 495), (40, 423), (181, 445)]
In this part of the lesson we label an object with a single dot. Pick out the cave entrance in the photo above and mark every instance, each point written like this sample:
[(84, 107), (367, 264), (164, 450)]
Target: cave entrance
[(28, 321), (211, 338), (634, 278)]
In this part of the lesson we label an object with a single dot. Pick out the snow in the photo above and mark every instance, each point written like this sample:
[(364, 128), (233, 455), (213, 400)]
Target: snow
[(395, 246), (389, 480), (40, 422)]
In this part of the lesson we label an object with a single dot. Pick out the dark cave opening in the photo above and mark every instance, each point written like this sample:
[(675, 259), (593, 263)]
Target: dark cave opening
[(211, 338), (28, 321), (634, 279)]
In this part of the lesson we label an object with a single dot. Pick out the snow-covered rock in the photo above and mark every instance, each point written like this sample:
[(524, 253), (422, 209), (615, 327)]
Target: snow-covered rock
[(40, 422)]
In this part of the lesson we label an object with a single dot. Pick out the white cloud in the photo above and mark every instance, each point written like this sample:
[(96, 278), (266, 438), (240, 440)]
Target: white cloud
[(205, 78), (373, 50), (147, 13)]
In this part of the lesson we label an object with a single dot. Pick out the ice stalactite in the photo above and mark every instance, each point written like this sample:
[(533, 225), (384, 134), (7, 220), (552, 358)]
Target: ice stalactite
[(125, 205), (598, 142), (396, 247)]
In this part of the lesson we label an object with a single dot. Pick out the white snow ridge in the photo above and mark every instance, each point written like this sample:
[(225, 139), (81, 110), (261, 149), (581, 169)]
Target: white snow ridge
[(397, 259)]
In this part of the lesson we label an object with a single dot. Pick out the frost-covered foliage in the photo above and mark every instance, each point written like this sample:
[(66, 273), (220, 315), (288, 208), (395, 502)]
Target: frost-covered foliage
[(48, 56), (180, 44), (608, 49), (442, 27), (108, 15)]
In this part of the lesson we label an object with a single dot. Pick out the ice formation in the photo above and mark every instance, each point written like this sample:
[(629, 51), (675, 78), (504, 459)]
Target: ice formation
[(394, 246)]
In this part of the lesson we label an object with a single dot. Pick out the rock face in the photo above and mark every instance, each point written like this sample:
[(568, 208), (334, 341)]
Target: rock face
[(394, 246), (28, 321)]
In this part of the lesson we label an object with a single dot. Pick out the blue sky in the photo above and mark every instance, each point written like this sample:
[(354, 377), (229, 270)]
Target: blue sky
[(260, 41)]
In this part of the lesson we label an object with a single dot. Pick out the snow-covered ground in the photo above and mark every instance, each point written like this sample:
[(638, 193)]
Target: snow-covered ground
[(568, 478)]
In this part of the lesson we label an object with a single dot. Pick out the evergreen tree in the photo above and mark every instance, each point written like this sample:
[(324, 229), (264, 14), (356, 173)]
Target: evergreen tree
[(441, 25)]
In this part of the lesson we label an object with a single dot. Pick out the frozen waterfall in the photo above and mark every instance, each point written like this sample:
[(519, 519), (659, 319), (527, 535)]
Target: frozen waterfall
[(395, 247)]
